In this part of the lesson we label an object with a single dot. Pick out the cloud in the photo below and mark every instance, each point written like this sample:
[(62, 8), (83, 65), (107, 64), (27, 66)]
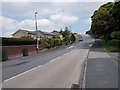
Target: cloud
[(48, 8), (26, 24), (64, 18), (10, 25), (87, 21), (7, 34), (59, 0), (44, 22)]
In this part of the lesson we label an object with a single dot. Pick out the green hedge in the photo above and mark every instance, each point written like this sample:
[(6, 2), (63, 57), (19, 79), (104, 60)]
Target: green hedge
[(51, 42), (17, 41), (115, 35)]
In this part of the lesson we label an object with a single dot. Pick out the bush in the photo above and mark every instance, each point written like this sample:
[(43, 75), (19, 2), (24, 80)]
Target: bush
[(58, 42), (4, 55), (72, 38), (51, 42), (112, 46), (17, 41), (66, 40), (25, 51), (115, 35)]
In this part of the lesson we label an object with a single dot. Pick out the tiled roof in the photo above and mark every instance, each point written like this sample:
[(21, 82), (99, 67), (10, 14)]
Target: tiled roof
[(34, 32)]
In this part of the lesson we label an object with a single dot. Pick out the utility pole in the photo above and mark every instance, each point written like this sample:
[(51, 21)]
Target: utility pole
[(37, 45)]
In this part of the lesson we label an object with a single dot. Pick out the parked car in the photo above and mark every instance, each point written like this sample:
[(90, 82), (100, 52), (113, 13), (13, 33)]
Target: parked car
[(80, 39)]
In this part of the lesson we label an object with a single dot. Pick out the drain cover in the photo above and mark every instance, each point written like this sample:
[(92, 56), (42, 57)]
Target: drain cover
[(75, 86)]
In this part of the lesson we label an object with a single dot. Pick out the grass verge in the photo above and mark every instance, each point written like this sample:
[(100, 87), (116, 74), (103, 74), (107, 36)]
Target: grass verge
[(118, 57), (77, 36), (111, 46)]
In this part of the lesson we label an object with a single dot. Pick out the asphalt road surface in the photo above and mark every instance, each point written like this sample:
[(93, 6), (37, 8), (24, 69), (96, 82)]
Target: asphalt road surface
[(58, 68)]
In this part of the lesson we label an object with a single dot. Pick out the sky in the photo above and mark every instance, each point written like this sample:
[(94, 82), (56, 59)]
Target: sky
[(51, 15)]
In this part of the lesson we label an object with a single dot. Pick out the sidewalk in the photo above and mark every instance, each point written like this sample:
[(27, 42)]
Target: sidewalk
[(102, 69)]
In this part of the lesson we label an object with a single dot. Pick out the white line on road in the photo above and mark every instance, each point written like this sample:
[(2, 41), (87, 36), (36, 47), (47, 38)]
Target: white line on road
[(21, 73), (90, 45), (70, 47), (54, 59)]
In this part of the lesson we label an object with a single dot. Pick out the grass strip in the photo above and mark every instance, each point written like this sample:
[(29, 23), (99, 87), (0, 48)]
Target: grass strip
[(111, 46)]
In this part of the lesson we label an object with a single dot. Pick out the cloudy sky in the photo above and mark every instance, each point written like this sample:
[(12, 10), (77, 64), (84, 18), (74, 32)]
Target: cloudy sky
[(51, 15)]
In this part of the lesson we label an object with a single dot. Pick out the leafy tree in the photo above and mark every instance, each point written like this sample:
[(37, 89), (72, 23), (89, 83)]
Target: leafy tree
[(101, 24), (66, 40), (66, 28), (66, 33), (72, 38), (51, 42), (102, 21), (116, 14), (61, 31), (115, 35)]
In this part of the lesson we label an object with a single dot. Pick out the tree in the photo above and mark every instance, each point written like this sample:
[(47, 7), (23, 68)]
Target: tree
[(66, 40), (66, 32), (116, 14), (115, 35), (66, 28), (72, 38), (102, 21), (61, 31)]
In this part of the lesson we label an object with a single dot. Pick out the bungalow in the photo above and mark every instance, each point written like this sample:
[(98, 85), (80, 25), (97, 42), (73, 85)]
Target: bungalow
[(21, 33)]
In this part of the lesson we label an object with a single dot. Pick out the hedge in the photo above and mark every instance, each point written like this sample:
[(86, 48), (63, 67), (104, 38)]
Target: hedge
[(51, 42), (17, 41)]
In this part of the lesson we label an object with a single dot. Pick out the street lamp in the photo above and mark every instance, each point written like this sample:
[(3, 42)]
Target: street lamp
[(37, 46)]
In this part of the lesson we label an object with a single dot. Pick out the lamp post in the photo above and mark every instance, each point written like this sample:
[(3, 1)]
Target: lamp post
[(37, 45)]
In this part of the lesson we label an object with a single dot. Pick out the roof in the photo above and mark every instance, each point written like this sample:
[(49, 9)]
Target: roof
[(34, 32)]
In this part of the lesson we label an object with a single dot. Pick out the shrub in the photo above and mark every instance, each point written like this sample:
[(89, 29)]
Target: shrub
[(25, 51), (66, 40), (51, 42), (58, 42), (72, 38), (45, 42), (115, 35)]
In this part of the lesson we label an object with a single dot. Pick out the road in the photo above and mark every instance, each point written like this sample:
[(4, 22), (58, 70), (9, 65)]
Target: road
[(58, 68)]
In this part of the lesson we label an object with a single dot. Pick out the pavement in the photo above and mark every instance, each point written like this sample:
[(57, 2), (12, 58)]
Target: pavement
[(101, 69)]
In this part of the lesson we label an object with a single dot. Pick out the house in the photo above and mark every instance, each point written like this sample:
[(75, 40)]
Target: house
[(57, 34), (21, 33)]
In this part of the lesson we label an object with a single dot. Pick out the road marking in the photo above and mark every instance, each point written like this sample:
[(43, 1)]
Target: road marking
[(59, 57), (90, 45), (70, 47), (32, 68), (54, 59), (21, 73)]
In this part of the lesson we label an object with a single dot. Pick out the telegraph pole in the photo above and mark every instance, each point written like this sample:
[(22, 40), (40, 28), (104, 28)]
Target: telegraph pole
[(37, 45)]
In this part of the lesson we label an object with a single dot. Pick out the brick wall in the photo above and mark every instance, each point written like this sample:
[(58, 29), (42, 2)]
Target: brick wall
[(13, 50)]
